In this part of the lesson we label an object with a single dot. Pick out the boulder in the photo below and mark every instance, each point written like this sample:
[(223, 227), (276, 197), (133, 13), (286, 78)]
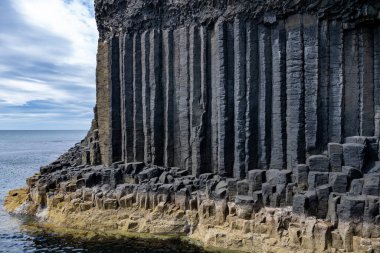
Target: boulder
[(356, 187), (318, 163), (352, 173), (371, 184), (354, 155), (316, 179), (323, 193), (338, 182), (149, 173), (242, 187), (351, 208), (244, 206), (255, 179), (133, 168)]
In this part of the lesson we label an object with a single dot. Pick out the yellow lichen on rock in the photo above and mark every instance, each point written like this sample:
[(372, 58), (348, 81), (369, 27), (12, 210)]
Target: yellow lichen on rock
[(15, 199)]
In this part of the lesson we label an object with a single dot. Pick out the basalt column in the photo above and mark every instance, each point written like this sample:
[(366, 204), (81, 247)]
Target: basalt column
[(236, 94), (295, 92), (278, 129), (127, 101), (115, 137), (376, 72)]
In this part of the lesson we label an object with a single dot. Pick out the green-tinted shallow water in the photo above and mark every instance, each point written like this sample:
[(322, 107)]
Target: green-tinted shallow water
[(21, 155)]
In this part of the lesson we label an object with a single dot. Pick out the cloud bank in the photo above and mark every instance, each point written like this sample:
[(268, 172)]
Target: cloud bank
[(47, 64)]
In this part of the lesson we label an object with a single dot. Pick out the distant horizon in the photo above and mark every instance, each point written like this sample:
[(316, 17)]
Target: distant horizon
[(43, 129)]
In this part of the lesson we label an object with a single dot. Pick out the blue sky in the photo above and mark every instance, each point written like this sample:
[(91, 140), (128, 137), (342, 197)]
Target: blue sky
[(47, 64)]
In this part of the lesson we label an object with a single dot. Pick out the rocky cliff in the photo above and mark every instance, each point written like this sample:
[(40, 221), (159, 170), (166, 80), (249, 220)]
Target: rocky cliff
[(244, 124)]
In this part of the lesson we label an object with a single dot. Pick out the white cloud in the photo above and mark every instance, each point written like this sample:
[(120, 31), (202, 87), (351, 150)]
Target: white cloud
[(19, 92), (47, 64), (70, 20)]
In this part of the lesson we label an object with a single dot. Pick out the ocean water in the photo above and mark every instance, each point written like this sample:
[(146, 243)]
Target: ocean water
[(21, 155)]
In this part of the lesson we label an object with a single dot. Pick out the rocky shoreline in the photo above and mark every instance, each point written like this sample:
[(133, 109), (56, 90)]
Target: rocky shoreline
[(219, 212)]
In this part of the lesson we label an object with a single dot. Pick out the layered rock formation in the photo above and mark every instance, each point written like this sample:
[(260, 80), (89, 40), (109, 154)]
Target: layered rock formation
[(245, 124)]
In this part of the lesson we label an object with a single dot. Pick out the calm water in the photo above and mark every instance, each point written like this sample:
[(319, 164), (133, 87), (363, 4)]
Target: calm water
[(21, 155)]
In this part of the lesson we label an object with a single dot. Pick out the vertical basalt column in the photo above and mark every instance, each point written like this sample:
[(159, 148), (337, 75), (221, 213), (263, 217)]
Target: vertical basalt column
[(278, 155), (176, 98), (205, 146), (240, 98), (196, 104), (376, 69), (366, 82), (126, 77), (215, 63), (138, 125), (184, 98), (115, 142), (168, 82), (156, 98), (311, 59), (145, 72), (229, 140), (295, 92), (323, 91), (336, 81), (252, 97), (102, 99), (224, 119), (265, 97), (351, 84)]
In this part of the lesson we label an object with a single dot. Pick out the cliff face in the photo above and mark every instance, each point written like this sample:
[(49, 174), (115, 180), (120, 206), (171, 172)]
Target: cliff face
[(236, 122), (231, 86)]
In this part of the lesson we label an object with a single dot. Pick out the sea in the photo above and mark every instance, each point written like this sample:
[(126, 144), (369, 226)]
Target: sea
[(21, 155)]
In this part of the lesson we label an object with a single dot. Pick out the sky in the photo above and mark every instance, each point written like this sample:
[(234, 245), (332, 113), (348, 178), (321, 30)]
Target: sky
[(47, 64)]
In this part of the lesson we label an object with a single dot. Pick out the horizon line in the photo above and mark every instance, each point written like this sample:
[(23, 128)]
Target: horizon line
[(43, 129)]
